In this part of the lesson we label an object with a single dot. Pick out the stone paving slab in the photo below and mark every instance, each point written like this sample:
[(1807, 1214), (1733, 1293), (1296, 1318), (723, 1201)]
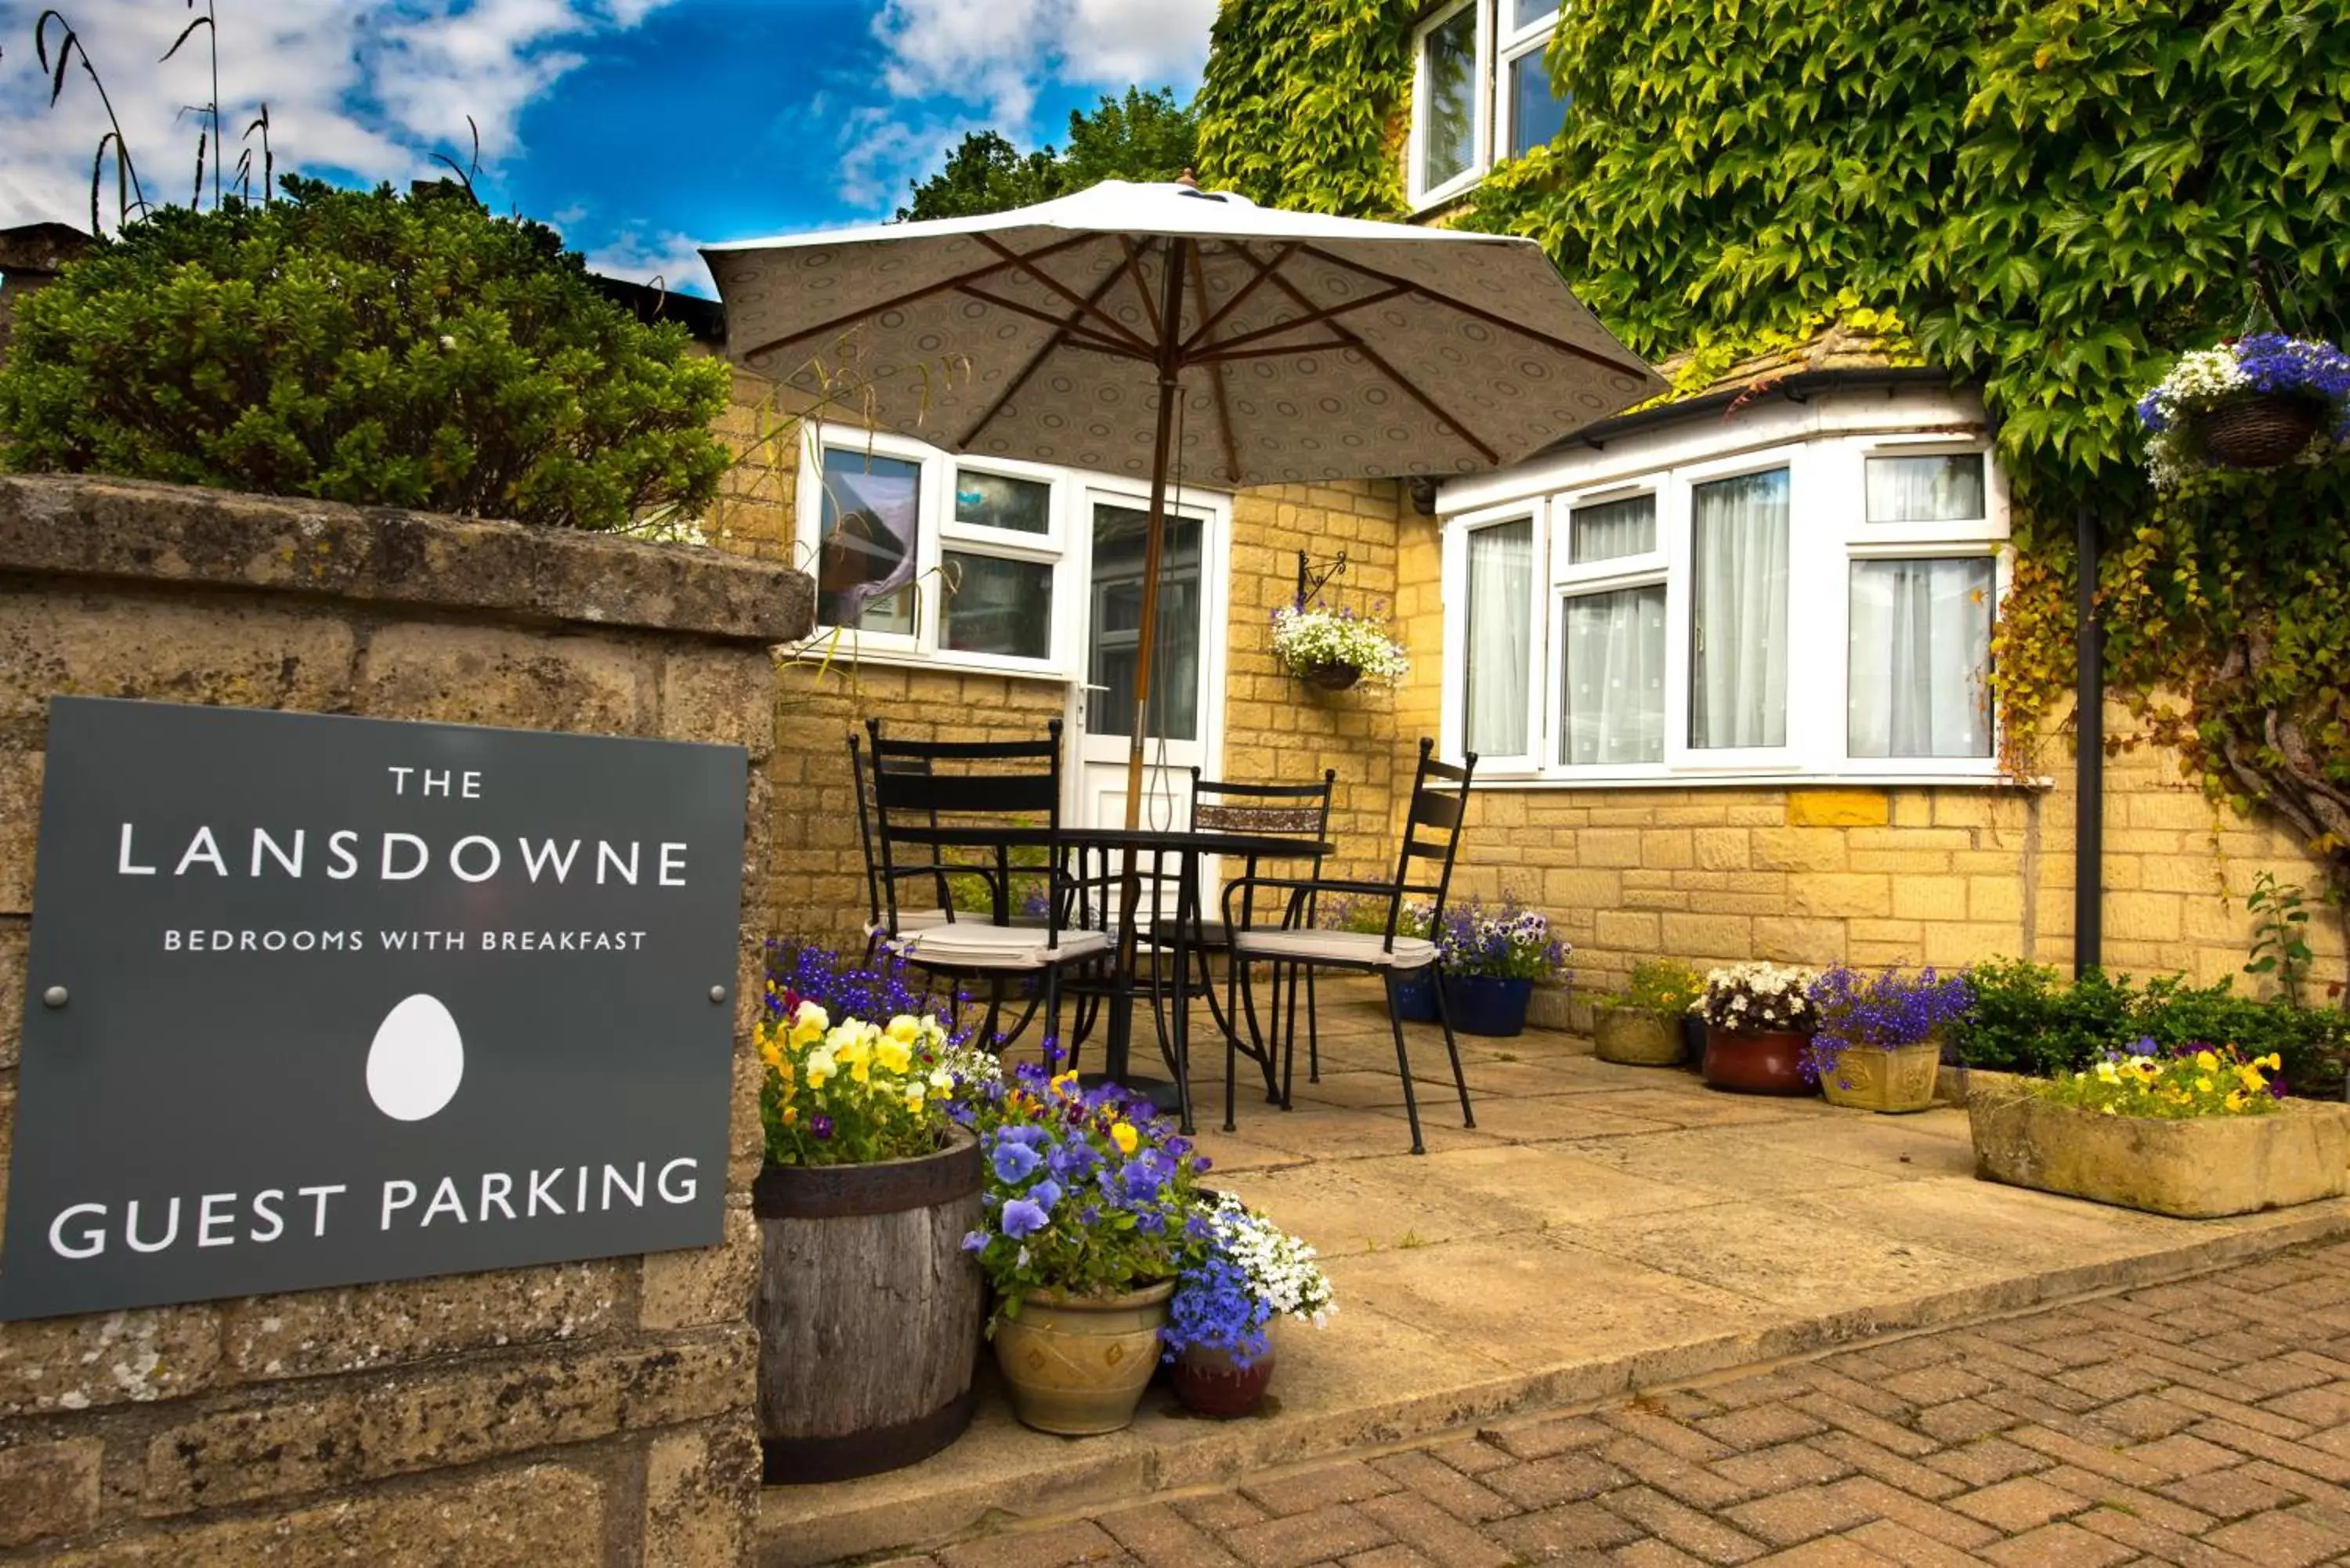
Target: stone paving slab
[(1603, 1229), (2202, 1422)]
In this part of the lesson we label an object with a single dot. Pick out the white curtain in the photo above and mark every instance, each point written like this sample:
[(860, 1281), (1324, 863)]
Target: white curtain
[(1945, 487), (1920, 655), (1501, 639), (1615, 678), (1738, 673), (1613, 529)]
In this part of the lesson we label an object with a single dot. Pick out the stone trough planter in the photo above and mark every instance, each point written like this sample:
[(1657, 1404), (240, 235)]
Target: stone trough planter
[(2198, 1169)]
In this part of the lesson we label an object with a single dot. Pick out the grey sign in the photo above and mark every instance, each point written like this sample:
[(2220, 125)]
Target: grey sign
[(318, 1001)]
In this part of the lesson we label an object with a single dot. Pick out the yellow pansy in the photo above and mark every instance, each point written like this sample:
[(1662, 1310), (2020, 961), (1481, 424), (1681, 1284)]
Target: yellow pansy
[(820, 1066), (1123, 1135), (2273, 1061), (771, 1053), (905, 1028), (2208, 1062), (2235, 1099), (2204, 1084), (892, 1054), (2108, 1072)]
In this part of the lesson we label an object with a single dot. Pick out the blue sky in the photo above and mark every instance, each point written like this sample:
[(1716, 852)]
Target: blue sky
[(641, 128)]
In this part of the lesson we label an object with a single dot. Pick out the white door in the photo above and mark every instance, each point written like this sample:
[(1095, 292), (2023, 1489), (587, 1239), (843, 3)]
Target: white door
[(1186, 719)]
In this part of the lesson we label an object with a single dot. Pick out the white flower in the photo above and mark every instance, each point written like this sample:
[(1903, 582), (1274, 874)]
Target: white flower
[(447, 341), (1303, 638)]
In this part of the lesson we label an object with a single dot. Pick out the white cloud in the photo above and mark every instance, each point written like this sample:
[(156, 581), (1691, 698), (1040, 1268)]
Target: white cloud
[(641, 257), (996, 54), (371, 88)]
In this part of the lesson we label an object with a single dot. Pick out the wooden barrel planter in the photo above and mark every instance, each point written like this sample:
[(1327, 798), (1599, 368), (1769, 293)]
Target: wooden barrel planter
[(868, 1312)]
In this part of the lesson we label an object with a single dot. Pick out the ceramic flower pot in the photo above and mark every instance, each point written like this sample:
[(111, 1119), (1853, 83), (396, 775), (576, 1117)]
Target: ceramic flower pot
[(1484, 1004), (1636, 1036), (1075, 1365), (1330, 676), (1213, 1383), (1415, 995), (1768, 1063), (1873, 1078)]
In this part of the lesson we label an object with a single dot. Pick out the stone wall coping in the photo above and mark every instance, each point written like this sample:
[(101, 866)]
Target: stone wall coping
[(96, 526)]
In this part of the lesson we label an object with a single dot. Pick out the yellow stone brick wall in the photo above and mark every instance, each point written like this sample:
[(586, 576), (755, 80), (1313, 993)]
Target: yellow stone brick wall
[(1866, 877)]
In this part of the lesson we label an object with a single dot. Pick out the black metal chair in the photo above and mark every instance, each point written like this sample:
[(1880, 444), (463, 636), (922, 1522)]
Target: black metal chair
[(1440, 801), (913, 793), (1288, 810), (879, 911)]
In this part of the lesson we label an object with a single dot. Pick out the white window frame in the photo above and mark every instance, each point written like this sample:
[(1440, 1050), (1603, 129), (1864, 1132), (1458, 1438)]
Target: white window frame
[(1828, 530), (1521, 765), (937, 532), (1513, 45), (1480, 98)]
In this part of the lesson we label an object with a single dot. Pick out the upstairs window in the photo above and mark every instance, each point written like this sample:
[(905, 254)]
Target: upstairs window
[(1481, 92)]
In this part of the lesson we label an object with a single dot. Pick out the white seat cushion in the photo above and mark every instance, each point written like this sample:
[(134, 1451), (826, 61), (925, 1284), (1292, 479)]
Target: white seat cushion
[(910, 921), (978, 944), (1337, 947)]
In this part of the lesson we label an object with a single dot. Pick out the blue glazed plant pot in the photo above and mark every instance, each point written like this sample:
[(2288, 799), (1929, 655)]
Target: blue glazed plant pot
[(1415, 996), (1481, 1004)]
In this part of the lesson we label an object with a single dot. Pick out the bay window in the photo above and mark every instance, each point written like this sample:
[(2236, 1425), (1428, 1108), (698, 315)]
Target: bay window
[(1481, 92), (1823, 608)]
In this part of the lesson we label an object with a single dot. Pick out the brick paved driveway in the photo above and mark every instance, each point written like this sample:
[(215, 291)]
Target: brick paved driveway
[(2204, 1422)]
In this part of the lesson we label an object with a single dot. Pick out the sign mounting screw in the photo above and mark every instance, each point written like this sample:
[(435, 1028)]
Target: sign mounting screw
[(55, 996), (717, 994)]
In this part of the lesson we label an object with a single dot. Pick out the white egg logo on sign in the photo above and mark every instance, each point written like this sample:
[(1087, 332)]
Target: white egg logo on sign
[(417, 1061)]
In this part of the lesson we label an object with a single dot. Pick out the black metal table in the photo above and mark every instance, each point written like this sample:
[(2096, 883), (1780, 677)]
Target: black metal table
[(1187, 848)]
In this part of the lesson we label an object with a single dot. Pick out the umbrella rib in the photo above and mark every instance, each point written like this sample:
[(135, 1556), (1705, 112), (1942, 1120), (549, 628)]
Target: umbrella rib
[(1011, 390), (1066, 325), (1326, 314), (840, 323), (1639, 372), (1263, 271), (1392, 374), (1116, 327), (1198, 269), (1132, 272)]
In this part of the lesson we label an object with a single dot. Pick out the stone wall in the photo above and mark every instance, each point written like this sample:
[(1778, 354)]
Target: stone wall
[(593, 1413)]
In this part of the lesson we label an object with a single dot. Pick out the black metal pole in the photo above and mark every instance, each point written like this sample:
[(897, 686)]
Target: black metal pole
[(2089, 753)]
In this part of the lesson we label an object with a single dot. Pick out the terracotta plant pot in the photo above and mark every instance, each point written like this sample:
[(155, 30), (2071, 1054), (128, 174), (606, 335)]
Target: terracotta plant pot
[(1330, 676), (2258, 429), (1076, 1366), (1213, 1383), (1872, 1078), (1636, 1036), (1766, 1064)]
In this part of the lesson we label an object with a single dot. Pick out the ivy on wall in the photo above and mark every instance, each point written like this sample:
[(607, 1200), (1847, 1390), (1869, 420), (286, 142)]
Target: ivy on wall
[(2054, 198)]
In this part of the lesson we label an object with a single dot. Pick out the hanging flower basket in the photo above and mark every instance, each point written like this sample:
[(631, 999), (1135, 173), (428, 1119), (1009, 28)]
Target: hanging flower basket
[(2259, 429), (1332, 649), (2260, 401), (1331, 677)]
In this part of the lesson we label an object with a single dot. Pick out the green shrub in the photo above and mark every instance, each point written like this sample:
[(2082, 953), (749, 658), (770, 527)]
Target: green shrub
[(361, 347), (2027, 1020)]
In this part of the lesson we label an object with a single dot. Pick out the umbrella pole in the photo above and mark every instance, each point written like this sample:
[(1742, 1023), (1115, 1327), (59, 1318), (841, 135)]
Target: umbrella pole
[(1117, 1058)]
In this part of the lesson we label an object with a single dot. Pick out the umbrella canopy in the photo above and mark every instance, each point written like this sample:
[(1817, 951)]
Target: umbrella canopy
[(1139, 328), (1308, 348)]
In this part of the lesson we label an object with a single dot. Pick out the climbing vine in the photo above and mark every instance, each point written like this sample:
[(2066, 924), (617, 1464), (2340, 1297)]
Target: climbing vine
[(2054, 198)]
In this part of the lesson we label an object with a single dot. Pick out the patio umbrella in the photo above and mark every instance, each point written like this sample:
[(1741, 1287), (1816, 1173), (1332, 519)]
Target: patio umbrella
[(1147, 329)]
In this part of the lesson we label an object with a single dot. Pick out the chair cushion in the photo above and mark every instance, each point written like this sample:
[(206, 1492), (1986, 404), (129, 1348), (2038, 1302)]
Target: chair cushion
[(910, 921), (1365, 947), (977, 944)]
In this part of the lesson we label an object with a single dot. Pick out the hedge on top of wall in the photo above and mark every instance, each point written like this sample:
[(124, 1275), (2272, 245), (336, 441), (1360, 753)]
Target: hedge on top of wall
[(2055, 199)]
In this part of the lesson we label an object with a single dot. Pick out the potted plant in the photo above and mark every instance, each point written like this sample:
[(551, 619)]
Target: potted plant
[(1246, 1274), (1758, 1027), (868, 1179), (1878, 1040), (1082, 1232), (1334, 648), (2195, 1132), (2255, 401), (1642, 1025), (1491, 963)]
